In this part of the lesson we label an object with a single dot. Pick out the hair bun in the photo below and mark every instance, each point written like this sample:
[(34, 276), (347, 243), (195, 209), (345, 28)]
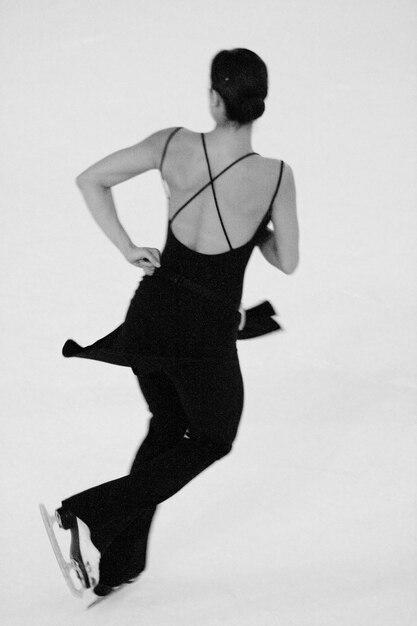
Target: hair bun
[(241, 79), (251, 108)]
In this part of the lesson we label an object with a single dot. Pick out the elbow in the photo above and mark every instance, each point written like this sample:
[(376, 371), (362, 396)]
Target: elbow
[(81, 180), (286, 257), (87, 178), (290, 266)]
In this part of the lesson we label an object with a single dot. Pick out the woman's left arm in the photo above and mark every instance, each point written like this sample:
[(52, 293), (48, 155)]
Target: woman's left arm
[(95, 185)]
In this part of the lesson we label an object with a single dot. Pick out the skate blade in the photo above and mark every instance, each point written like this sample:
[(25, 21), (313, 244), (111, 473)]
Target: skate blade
[(87, 577), (65, 566), (82, 573), (100, 599), (90, 556)]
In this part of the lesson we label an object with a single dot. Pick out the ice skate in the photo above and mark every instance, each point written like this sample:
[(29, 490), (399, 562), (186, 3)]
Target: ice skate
[(102, 592), (79, 572)]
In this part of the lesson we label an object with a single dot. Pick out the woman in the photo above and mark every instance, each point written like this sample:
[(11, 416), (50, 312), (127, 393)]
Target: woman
[(180, 331)]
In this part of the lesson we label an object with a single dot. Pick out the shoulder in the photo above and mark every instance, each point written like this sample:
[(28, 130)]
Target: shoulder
[(273, 169), (275, 164), (283, 170), (285, 190), (176, 137), (160, 137)]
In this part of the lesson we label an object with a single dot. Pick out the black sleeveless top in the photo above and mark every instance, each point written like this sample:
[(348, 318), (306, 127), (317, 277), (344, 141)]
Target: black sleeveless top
[(220, 273), (190, 306)]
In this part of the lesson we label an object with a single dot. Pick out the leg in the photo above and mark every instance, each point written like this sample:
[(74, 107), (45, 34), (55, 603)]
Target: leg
[(211, 394), (125, 557), (168, 422)]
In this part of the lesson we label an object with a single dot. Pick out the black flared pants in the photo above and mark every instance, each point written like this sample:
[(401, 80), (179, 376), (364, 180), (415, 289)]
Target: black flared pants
[(195, 407)]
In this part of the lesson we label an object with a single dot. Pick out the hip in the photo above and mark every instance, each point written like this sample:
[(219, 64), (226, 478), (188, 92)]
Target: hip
[(170, 320)]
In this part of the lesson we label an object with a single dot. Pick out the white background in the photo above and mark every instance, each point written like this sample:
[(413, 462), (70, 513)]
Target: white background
[(311, 521)]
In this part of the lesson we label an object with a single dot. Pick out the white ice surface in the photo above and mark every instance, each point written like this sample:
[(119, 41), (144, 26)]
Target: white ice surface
[(311, 520)]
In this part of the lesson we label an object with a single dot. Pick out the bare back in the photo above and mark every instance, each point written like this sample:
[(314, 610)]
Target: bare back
[(215, 218)]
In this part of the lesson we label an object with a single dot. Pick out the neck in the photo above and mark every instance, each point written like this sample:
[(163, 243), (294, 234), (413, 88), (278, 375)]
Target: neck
[(233, 137)]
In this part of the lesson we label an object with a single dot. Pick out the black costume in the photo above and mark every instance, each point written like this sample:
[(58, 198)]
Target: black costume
[(179, 337)]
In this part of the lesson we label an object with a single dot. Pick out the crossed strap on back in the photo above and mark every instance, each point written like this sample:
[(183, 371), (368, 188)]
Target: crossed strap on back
[(212, 183), (266, 218)]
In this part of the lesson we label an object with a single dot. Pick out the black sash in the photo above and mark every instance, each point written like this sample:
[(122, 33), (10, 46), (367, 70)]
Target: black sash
[(258, 319)]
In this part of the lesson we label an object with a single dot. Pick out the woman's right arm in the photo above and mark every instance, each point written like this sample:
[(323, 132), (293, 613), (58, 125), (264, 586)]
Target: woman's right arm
[(96, 184), (280, 245)]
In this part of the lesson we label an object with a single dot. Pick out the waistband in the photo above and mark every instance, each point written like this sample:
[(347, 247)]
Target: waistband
[(179, 279)]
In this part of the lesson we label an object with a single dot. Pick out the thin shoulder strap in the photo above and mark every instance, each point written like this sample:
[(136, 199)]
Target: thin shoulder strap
[(267, 215), (213, 190), (209, 183), (278, 185), (170, 136)]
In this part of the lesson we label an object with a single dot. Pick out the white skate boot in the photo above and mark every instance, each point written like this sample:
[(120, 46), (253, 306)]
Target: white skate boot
[(84, 556)]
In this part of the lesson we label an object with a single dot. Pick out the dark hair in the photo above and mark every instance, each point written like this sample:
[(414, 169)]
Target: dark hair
[(240, 77)]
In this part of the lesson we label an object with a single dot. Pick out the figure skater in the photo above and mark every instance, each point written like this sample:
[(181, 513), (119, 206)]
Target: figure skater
[(180, 330)]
